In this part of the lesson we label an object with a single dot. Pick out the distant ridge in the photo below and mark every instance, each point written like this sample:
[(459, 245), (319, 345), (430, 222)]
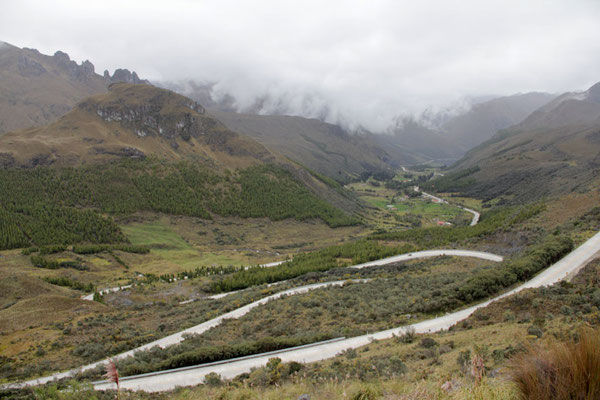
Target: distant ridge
[(555, 150), (35, 88)]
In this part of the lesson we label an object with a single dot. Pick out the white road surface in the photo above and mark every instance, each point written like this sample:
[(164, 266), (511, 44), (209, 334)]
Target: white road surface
[(167, 380), (203, 327), (476, 215), (90, 297)]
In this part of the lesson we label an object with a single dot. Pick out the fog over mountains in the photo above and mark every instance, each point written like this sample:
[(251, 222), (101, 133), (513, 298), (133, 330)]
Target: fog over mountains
[(358, 64)]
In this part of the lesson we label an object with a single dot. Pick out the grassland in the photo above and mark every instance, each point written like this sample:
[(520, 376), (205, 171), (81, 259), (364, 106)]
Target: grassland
[(85, 331), (426, 367), (390, 208), (35, 314), (179, 243)]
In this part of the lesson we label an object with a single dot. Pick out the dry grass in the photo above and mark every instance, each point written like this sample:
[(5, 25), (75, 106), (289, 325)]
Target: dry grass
[(560, 371)]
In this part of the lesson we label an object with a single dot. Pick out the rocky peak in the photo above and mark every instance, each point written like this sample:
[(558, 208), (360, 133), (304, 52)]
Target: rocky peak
[(125, 76), (81, 72), (88, 67), (62, 58)]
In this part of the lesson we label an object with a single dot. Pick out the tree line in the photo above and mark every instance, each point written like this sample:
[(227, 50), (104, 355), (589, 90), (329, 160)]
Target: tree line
[(317, 261), (45, 206)]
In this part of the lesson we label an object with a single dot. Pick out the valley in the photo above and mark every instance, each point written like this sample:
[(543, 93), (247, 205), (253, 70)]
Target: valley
[(182, 239)]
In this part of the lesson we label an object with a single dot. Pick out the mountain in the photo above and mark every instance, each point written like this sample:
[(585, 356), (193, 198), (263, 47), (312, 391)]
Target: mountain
[(410, 142), (131, 121), (35, 88), (141, 148), (573, 108), (486, 118), (325, 148), (554, 150)]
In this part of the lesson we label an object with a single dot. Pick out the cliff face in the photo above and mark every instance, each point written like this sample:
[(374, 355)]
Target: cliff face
[(154, 113)]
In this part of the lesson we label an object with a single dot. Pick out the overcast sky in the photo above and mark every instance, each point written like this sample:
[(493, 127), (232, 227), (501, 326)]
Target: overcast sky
[(366, 61)]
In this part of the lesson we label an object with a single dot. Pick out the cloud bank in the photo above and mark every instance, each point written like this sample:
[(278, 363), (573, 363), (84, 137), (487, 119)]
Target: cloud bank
[(362, 63)]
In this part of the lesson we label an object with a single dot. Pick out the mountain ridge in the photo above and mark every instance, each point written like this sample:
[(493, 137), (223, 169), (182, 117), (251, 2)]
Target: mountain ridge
[(35, 88), (555, 150)]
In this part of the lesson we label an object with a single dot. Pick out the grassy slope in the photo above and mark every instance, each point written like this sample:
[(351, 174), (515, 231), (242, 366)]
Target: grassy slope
[(83, 136), (531, 164), (553, 151), (322, 147)]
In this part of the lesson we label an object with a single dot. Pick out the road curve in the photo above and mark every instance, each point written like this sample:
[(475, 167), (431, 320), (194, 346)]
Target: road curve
[(476, 215), (237, 313), (90, 297), (566, 268)]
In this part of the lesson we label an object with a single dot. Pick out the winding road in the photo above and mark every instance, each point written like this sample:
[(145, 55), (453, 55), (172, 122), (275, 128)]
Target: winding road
[(237, 313), (167, 380), (90, 297), (476, 215)]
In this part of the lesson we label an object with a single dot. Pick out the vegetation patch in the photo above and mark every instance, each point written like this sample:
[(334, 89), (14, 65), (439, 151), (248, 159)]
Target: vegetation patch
[(43, 206), (321, 260), (492, 221), (68, 282)]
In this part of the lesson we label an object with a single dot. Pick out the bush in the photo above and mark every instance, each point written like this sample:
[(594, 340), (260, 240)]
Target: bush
[(428, 343), (559, 371), (366, 393), (68, 282), (537, 258), (213, 379), (408, 336), (535, 331), (318, 261)]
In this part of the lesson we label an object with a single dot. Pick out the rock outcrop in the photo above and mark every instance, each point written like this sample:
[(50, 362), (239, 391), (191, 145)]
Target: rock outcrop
[(124, 76), (163, 114)]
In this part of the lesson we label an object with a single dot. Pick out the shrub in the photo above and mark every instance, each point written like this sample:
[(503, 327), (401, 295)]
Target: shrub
[(366, 393), (559, 371), (408, 336), (428, 343), (535, 331), (213, 379)]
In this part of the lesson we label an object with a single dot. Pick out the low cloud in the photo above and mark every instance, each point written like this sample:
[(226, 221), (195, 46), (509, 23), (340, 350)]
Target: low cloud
[(363, 63)]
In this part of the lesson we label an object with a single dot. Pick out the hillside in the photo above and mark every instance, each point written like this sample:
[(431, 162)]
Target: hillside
[(484, 119), (131, 121), (35, 88), (322, 147), (555, 150), (140, 148), (412, 143)]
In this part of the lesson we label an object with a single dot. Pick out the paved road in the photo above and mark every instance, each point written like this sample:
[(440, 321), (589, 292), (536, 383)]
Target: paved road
[(166, 380), (203, 327), (90, 297), (476, 215)]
